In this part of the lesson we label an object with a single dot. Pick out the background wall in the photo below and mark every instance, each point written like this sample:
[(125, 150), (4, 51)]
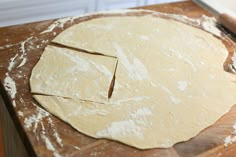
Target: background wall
[(23, 11)]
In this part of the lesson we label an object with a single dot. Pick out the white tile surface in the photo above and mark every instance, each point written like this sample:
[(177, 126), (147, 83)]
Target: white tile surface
[(222, 6), (14, 12)]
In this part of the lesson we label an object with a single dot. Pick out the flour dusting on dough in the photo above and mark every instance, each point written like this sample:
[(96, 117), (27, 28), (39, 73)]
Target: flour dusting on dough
[(144, 111), (93, 110), (121, 128), (136, 98), (209, 24), (140, 116), (173, 98), (132, 121), (103, 26), (130, 127), (144, 37), (80, 63), (182, 85), (170, 52), (136, 69), (102, 69)]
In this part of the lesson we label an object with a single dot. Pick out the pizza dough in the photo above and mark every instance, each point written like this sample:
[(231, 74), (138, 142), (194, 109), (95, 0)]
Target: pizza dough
[(169, 81), (68, 73)]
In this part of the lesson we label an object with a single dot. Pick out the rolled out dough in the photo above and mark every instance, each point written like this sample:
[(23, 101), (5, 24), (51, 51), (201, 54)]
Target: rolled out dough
[(169, 86), (71, 74)]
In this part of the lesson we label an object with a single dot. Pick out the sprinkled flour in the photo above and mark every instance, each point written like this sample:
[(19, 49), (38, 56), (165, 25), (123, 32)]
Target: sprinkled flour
[(173, 98), (130, 127), (14, 103), (22, 63), (23, 52), (12, 62), (58, 24), (33, 121), (21, 114), (10, 86), (61, 22), (49, 145), (76, 147), (135, 68), (55, 133), (9, 82), (182, 85), (121, 128), (209, 24), (137, 98)]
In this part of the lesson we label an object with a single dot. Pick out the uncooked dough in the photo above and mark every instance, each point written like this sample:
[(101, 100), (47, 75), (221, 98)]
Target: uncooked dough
[(71, 74), (169, 81)]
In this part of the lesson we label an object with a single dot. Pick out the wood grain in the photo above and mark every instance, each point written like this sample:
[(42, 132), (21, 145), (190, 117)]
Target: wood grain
[(1, 141), (39, 138)]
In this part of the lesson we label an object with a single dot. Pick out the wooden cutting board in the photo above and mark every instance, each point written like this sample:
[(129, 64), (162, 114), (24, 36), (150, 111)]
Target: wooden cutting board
[(45, 135)]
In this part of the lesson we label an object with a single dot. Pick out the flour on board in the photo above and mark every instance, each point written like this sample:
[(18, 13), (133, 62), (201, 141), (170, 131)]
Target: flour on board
[(14, 103), (10, 86), (9, 83), (34, 119), (22, 63), (231, 138), (76, 147), (23, 52), (20, 113), (12, 62), (58, 24), (49, 145), (55, 133), (209, 24)]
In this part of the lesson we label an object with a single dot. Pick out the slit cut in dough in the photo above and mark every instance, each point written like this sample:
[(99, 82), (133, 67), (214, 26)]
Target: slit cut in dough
[(169, 86), (73, 74)]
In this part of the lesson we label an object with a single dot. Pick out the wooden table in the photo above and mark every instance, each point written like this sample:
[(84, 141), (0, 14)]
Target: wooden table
[(31, 131)]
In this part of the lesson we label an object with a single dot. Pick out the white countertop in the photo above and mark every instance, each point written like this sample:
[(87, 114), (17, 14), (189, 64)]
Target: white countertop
[(14, 12)]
